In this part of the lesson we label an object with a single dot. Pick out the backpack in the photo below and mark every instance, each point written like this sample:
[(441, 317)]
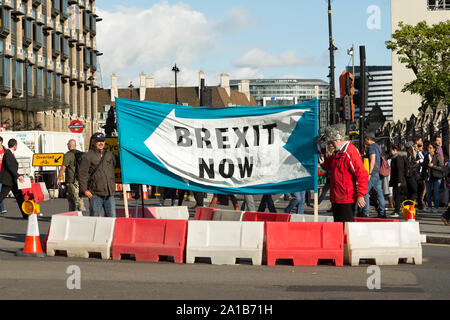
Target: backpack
[(384, 170), (78, 157)]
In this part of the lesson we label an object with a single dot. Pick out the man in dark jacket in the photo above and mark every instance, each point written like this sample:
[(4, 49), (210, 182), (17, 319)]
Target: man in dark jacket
[(97, 181), (399, 166), (9, 176)]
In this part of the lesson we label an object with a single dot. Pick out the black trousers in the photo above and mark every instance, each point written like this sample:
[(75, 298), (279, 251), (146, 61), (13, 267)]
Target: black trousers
[(17, 194), (400, 194), (412, 188), (420, 191), (343, 212), (267, 201), (198, 196)]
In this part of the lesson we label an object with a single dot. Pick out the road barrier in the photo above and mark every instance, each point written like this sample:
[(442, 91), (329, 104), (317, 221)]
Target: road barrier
[(266, 216), (304, 242), (360, 219), (135, 212), (385, 242), (148, 239), (310, 218), (179, 213), (203, 213), (227, 215), (72, 213), (44, 191), (225, 241), (80, 236)]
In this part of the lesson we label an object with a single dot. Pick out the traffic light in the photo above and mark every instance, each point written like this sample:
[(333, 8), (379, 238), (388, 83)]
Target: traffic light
[(346, 91), (363, 93)]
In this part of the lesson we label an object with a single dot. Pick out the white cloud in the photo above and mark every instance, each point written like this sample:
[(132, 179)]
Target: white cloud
[(257, 58), (153, 40)]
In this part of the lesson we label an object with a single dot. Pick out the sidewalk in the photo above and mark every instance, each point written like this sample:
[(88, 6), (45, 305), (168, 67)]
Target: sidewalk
[(430, 223)]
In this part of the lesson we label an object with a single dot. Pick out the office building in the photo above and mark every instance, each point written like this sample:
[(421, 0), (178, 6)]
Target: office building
[(48, 64), (380, 90), (411, 12)]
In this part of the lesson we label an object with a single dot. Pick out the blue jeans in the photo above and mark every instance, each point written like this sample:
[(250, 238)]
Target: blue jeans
[(97, 204), (325, 189), (433, 187), (297, 198), (2, 206), (375, 183)]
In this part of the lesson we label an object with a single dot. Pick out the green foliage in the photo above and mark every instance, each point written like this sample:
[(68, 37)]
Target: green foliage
[(426, 51)]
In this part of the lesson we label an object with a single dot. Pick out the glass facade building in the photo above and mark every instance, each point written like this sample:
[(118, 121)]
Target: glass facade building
[(285, 91), (49, 48)]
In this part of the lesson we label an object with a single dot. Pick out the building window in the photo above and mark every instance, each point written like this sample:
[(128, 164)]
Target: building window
[(58, 85), (438, 4), (39, 82), (5, 19), (29, 75), (6, 72), (19, 75), (49, 84)]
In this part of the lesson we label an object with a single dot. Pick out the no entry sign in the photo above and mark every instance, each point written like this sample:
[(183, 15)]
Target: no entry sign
[(76, 126)]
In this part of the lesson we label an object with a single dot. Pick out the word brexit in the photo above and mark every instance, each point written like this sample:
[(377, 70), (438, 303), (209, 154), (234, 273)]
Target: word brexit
[(229, 152)]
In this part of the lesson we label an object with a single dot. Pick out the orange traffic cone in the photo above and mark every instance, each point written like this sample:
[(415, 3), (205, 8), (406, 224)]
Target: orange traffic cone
[(411, 214), (118, 187), (145, 192), (32, 241)]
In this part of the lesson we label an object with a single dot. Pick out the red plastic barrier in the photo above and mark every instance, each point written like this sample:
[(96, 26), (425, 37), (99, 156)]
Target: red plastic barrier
[(359, 219), (72, 213), (148, 239), (120, 213), (304, 242), (37, 192), (203, 213), (266, 216)]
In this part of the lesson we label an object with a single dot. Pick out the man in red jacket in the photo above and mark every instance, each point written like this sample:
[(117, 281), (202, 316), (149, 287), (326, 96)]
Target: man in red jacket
[(348, 178)]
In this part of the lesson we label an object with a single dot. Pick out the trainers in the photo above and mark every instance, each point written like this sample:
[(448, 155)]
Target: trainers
[(444, 220), (3, 212), (380, 216), (395, 215), (435, 210), (428, 210)]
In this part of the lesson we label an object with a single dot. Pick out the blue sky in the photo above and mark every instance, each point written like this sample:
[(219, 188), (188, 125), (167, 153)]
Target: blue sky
[(246, 39)]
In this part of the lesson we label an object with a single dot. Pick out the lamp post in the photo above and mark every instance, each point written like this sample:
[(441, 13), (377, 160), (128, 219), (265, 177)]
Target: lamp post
[(334, 118), (176, 70), (351, 52), (131, 89)]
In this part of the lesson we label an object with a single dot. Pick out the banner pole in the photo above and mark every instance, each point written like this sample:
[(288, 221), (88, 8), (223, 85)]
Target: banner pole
[(125, 200), (316, 206)]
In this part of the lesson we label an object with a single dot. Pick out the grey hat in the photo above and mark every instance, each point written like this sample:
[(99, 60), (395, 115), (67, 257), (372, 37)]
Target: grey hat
[(409, 144), (370, 135), (335, 132)]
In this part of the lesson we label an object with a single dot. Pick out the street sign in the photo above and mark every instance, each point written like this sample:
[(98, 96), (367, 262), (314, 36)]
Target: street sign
[(48, 159), (76, 126)]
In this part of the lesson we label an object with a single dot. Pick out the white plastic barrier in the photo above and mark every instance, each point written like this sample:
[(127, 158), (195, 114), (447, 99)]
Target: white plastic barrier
[(174, 213), (225, 241), (79, 236), (384, 242), (310, 218), (228, 215), (44, 191)]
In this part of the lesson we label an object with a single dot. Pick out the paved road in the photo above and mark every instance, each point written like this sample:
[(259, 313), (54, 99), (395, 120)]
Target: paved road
[(47, 278)]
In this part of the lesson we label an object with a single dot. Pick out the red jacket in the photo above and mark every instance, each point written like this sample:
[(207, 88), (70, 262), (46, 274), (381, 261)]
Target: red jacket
[(348, 177)]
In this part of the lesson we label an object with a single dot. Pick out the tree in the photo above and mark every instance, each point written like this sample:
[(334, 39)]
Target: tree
[(426, 51)]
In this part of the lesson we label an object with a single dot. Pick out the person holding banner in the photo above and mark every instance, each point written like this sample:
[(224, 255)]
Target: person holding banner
[(97, 179), (348, 177)]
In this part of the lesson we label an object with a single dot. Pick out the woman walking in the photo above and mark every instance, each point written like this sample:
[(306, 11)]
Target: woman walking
[(433, 171)]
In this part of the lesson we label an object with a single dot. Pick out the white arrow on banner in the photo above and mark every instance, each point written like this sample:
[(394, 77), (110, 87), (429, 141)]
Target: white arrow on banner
[(231, 152)]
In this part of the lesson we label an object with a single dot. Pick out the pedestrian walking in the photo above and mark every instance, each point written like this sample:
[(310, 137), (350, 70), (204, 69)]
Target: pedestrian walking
[(224, 198), (348, 178), (2, 153), (374, 153), (170, 193), (420, 156), (412, 172), (9, 176), (249, 203), (398, 177), (267, 202), (97, 179), (70, 170), (433, 174), (297, 199)]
